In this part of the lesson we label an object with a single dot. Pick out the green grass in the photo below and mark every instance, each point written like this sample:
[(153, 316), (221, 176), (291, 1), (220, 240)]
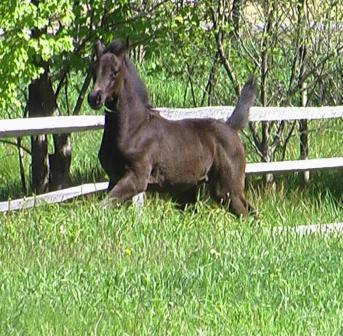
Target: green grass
[(76, 269)]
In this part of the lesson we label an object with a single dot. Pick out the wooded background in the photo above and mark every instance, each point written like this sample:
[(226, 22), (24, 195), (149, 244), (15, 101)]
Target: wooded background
[(294, 49)]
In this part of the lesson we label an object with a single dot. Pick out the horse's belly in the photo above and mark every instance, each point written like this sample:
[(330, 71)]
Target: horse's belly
[(178, 175), (170, 188)]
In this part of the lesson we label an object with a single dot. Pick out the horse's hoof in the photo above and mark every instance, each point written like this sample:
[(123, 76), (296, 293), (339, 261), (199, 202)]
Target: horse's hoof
[(105, 203), (138, 200), (108, 203)]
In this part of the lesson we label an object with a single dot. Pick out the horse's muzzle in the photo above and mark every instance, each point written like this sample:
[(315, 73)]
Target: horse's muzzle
[(95, 99)]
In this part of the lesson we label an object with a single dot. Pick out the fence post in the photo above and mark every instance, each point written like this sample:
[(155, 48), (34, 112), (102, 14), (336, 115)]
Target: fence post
[(304, 150)]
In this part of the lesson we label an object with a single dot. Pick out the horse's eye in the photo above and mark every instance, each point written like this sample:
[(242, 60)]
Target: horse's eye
[(114, 73)]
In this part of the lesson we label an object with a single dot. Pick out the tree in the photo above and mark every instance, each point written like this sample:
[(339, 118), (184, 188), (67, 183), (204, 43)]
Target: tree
[(33, 35), (289, 45), (42, 44)]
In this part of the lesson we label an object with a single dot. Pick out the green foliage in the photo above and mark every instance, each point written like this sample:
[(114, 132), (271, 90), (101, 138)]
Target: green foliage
[(58, 35), (178, 37), (30, 33)]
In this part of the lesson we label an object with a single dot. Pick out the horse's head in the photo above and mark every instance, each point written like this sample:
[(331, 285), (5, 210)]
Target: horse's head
[(107, 72)]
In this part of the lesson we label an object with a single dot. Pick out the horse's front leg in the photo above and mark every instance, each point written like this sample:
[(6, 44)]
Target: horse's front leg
[(134, 182), (111, 184)]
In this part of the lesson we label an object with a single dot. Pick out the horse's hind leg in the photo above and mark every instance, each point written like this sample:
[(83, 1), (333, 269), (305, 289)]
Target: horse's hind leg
[(228, 191), (238, 205), (235, 202)]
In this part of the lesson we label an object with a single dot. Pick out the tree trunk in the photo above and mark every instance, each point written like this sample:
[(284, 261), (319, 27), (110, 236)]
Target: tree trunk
[(49, 172), (235, 15), (304, 150), (39, 164), (304, 177), (21, 166), (61, 159), (41, 103), (266, 126), (60, 162)]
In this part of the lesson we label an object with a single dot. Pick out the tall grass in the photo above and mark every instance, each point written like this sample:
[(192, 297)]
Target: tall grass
[(75, 269)]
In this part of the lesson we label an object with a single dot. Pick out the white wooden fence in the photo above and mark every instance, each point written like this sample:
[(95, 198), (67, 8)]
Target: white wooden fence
[(68, 124)]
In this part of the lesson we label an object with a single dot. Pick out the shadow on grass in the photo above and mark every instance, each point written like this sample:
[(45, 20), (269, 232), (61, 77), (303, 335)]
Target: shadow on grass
[(321, 182)]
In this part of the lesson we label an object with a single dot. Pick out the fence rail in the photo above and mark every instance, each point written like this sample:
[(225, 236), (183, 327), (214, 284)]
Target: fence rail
[(53, 197), (278, 167), (69, 124)]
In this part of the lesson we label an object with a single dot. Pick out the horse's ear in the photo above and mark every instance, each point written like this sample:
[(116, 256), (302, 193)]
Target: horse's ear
[(99, 48), (127, 44)]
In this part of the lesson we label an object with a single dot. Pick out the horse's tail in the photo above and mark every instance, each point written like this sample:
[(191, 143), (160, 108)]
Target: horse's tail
[(240, 116)]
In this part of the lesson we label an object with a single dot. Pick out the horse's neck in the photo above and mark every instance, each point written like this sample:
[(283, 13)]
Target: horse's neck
[(131, 110)]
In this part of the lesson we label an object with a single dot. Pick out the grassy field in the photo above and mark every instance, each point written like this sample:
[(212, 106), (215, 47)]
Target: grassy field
[(76, 269)]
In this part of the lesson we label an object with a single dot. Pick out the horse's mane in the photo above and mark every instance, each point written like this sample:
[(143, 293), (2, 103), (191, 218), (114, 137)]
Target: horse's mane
[(117, 47)]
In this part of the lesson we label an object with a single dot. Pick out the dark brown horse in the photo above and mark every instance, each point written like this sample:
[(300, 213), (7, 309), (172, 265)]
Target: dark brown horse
[(142, 151)]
